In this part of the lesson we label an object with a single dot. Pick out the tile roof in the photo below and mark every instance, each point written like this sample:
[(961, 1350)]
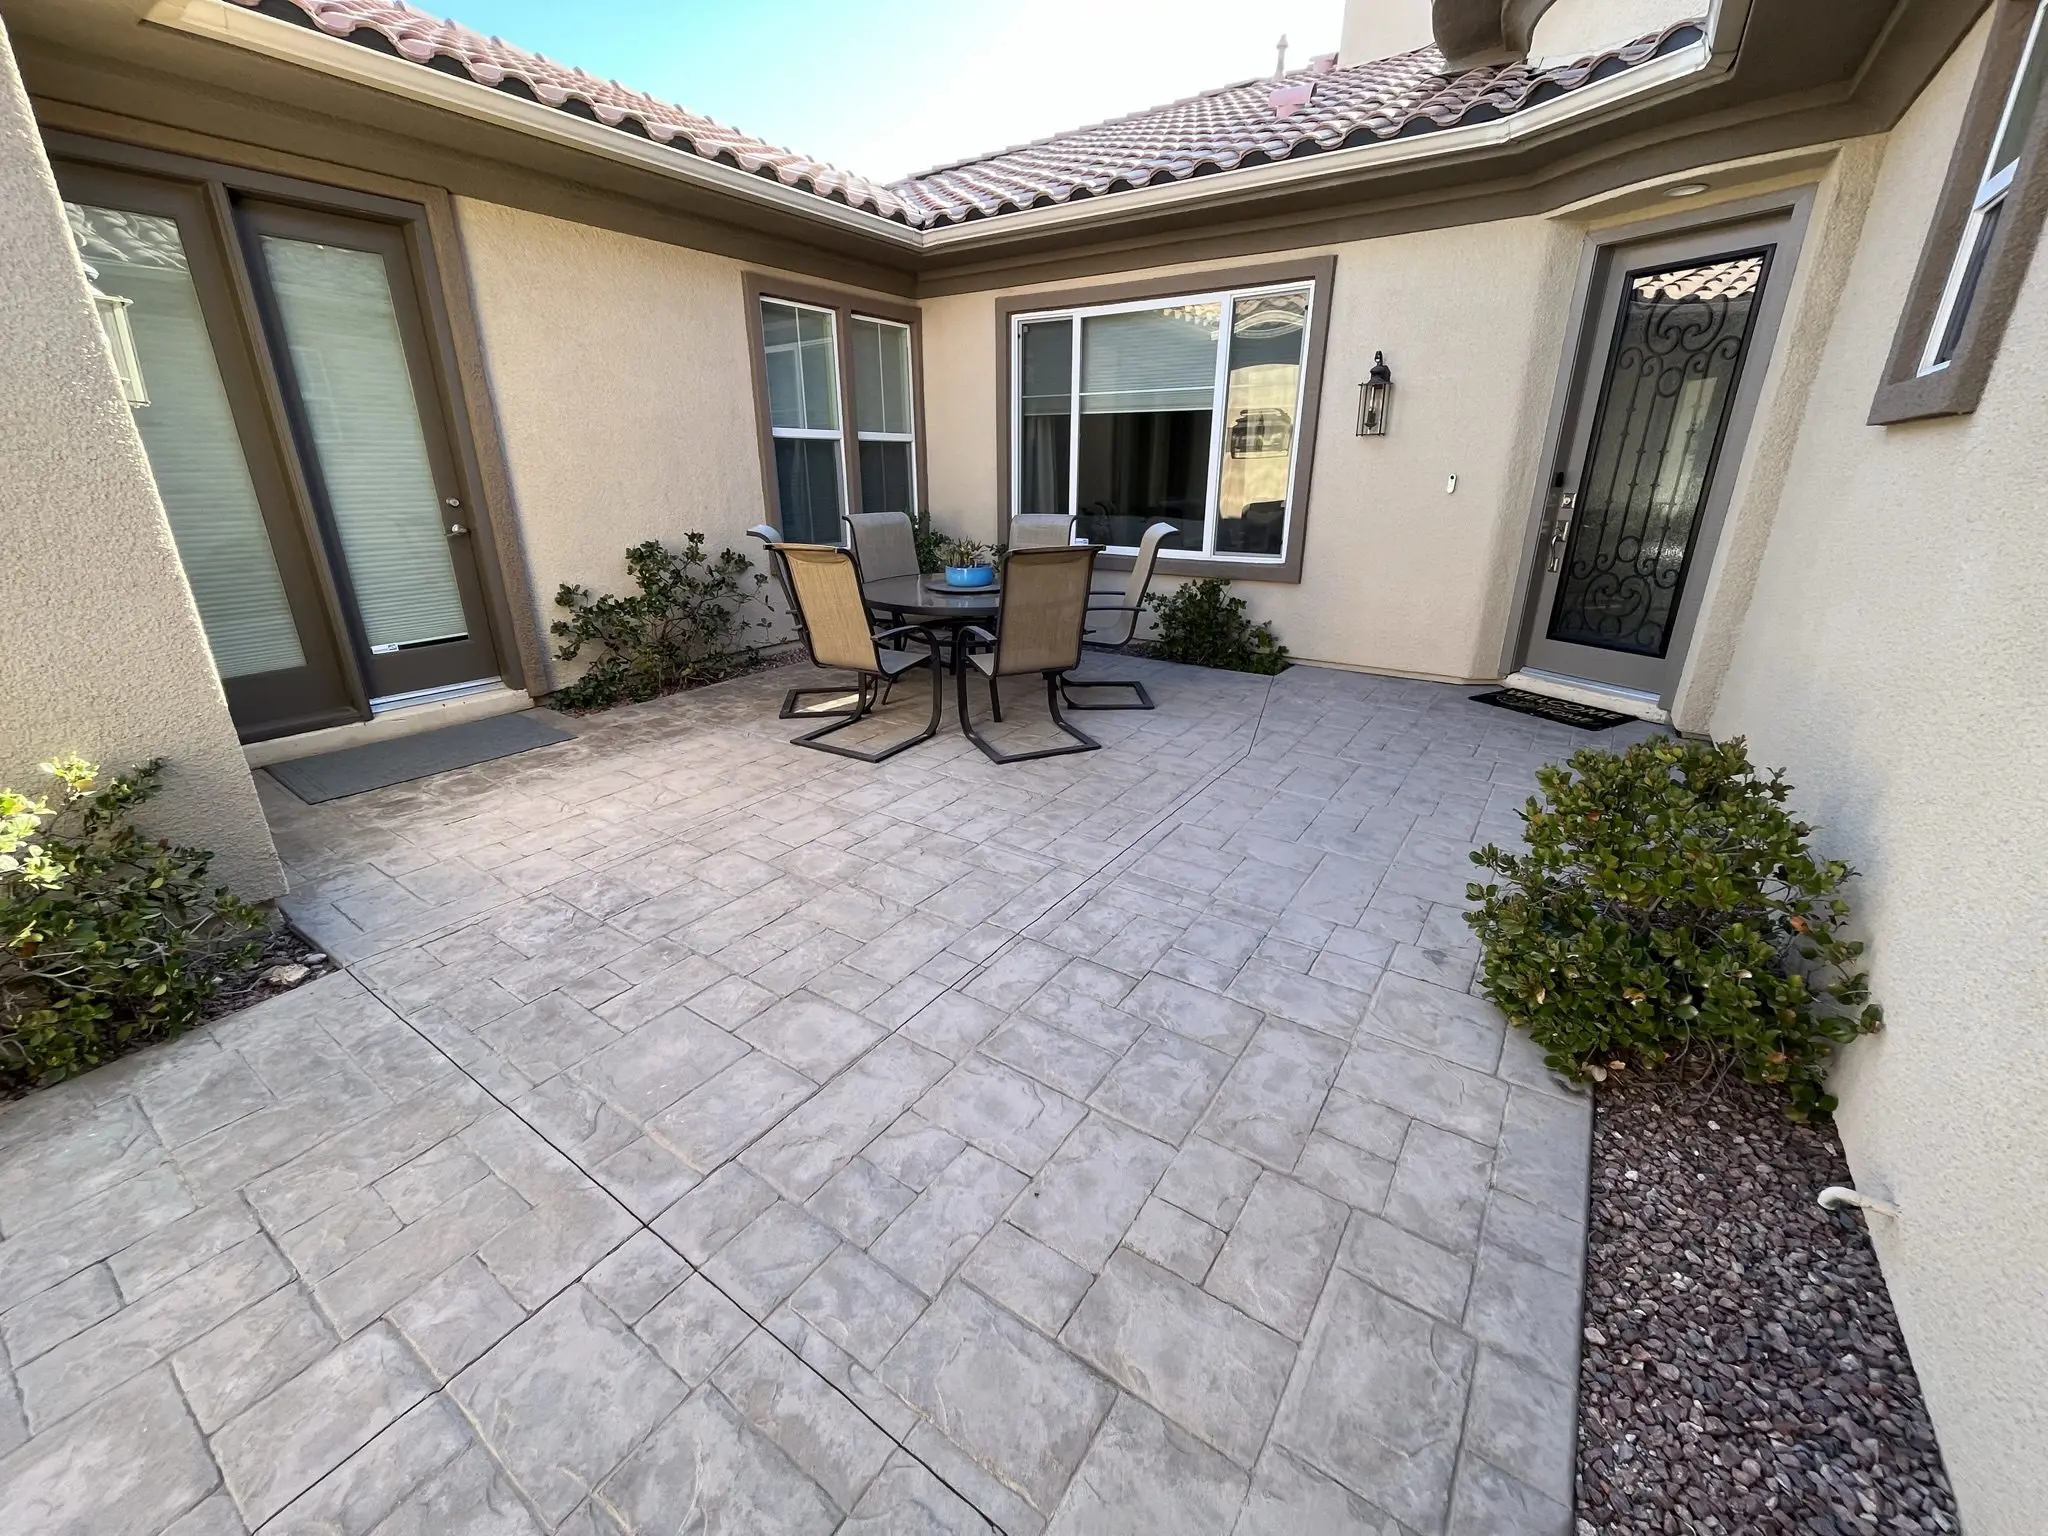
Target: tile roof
[(1254, 122)]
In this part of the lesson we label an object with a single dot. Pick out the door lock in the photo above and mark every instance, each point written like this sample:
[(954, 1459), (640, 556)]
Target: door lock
[(1561, 527)]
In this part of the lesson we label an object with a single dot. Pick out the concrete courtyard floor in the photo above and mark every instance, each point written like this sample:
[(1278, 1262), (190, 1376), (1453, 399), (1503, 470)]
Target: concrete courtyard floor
[(708, 1135)]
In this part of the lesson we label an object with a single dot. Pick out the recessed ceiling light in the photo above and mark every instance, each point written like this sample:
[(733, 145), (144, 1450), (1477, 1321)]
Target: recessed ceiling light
[(1687, 189)]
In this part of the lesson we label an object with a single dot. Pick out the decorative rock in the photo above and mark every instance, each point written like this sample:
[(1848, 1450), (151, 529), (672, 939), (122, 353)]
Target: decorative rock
[(285, 975)]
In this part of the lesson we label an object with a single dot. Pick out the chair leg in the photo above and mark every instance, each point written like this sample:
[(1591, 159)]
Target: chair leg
[(792, 705), (1143, 699), (1082, 741), (871, 693), (995, 701)]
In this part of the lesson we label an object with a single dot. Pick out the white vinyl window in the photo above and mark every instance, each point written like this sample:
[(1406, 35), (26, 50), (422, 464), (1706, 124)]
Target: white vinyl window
[(883, 416), (802, 348), (1988, 206), (1184, 410)]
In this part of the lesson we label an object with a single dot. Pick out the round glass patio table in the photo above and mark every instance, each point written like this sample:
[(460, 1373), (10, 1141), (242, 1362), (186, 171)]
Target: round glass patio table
[(918, 597)]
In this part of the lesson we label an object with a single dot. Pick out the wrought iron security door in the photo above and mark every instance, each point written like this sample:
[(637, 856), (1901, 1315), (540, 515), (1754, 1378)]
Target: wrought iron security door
[(1675, 338)]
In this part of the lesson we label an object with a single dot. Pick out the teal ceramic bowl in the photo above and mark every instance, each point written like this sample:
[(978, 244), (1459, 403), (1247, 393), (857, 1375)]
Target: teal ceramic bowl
[(970, 575)]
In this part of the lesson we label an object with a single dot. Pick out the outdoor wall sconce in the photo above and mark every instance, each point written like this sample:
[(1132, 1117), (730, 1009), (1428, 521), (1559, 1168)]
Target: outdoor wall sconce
[(1374, 397), (112, 311)]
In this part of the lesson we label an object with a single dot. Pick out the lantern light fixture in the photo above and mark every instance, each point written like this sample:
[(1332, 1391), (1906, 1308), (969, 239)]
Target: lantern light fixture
[(1375, 396), (112, 310)]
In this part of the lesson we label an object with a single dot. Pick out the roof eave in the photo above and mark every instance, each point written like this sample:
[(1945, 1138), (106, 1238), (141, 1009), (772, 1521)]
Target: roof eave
[(1692, 67), (310, 49)]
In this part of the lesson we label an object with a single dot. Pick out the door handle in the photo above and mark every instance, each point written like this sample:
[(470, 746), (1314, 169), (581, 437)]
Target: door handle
[(455, 528), (1561, 527)]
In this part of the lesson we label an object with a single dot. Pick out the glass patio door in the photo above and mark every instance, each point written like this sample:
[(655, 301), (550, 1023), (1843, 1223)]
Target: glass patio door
[(1677, 345), (216, 464), (352, 356)]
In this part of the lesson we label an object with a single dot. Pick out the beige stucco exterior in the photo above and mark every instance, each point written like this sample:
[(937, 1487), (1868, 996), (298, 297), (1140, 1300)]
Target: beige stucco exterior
[(101, 652), (620, 373), (1403, 575), (1891, 660)]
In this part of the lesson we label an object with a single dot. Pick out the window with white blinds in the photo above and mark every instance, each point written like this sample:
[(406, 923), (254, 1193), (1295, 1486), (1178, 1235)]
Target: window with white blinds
[(189, 434), (349, 366)]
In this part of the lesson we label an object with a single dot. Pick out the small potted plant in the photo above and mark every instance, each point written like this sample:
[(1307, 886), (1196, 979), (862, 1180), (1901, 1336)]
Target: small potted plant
[(968, 564)]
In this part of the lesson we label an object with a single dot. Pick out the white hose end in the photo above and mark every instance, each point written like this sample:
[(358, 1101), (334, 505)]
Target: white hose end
[(1836, 1196)]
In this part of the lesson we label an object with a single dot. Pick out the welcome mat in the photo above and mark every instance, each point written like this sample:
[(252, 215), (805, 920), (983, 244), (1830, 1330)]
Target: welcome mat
[(357, 770), (1563, 711)]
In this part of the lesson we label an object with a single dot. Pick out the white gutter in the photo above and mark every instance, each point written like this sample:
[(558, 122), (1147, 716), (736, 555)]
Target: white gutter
[(316, 50), (1690, 68)]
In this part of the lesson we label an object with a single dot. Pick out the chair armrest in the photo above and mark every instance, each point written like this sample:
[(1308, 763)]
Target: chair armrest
[(906, 629), (976, 632)]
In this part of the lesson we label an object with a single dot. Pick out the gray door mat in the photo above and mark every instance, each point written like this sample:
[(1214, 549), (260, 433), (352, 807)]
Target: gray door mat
[(356, 770)]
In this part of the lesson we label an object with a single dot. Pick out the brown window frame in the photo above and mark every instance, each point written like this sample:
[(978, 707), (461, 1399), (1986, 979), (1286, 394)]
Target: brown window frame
[(1319, 273), (1906, 393), (846, 305)]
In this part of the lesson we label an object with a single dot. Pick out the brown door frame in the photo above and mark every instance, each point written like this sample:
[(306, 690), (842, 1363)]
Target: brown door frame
[(1603, 248), (324, 690), (459, 391)]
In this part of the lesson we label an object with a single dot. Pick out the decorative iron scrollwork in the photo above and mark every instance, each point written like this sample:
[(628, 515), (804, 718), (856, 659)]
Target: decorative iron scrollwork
[(1671, 379)]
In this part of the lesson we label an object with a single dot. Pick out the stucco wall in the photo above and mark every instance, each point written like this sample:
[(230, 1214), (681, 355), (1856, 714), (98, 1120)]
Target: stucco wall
[(101, 652), (1401, 576), (620, 372), (1891, 661)]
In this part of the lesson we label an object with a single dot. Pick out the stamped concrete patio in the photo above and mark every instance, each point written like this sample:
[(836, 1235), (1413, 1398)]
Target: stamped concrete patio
[(711, 1136)]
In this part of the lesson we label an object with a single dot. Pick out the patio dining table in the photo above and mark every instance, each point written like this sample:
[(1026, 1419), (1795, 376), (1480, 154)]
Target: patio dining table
[(928, 600)]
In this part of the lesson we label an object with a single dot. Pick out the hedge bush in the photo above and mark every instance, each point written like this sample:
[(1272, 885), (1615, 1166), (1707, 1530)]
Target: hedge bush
[(1203, 624), (1668, 900), (108, 939)]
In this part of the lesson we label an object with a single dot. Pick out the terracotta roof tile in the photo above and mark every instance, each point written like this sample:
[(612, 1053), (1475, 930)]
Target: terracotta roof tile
[(1254, 122)]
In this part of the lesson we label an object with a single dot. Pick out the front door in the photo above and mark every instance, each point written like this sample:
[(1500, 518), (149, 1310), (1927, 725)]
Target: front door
[(1674, 350)]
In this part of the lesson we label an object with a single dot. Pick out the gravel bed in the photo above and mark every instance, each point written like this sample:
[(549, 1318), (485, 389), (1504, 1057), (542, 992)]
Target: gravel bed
[(1743, 1370)]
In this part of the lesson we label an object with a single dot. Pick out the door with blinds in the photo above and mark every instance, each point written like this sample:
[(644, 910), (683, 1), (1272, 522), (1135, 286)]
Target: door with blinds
[(285, 387), (150, 248), (351, 353)]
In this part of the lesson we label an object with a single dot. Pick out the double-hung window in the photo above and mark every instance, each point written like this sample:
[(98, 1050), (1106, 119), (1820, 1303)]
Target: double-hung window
[(821, 364), (1187, 410), (1987, 205)]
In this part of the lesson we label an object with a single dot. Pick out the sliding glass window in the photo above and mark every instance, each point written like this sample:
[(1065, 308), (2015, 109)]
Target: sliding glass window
[(1185, 411)]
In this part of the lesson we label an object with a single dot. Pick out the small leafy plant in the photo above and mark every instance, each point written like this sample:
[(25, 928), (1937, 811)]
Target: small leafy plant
[(686, 625), (958, 554), (931, 545), (108, 939), (1202, 623), (1668, 901)]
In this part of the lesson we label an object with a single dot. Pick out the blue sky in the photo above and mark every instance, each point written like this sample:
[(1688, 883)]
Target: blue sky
[(886, 87)]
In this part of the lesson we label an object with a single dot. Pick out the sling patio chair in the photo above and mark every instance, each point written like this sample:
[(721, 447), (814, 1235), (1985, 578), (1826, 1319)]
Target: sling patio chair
[(793, 701), (1041, 530), (1043, 605), (833, 617), (1118, 621)]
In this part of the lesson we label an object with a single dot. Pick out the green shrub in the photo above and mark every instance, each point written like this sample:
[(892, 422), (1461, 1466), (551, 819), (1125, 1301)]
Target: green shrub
[(686, 625), (1667, 900), (931, 545), (1201, 623), (107, 939)]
